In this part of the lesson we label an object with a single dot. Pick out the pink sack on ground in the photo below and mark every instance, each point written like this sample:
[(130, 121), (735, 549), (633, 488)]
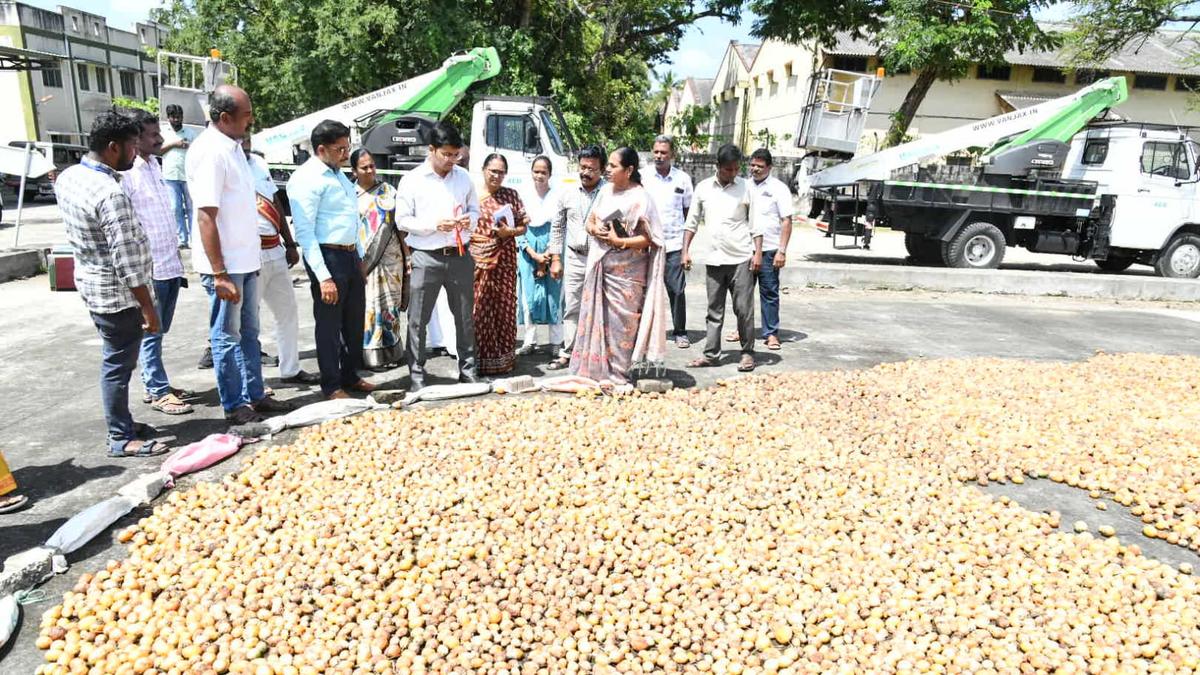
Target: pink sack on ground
[(202, 454)]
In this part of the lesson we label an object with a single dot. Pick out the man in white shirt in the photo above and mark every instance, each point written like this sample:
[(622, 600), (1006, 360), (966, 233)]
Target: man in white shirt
[(227, 258), (773, 206), (437, 206), (724, 206), (176, 141), (279, 254), (671, 190)]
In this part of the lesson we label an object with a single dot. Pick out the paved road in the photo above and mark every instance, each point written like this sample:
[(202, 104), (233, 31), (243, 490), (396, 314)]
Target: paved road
[(52, 433)]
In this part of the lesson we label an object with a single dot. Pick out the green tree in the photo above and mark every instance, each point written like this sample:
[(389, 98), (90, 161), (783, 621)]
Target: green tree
[(692, 126), (936, 39), (1101, 27), (594, 56), (149, 105)]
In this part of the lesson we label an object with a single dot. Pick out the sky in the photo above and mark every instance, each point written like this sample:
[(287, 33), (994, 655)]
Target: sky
[(703, 45), (121, 14)]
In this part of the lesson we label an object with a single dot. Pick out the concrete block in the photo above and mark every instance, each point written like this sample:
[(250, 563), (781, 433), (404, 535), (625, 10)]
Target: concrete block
[(20, 263), (145, 487), (519, 384), (388, 396), (27, 569), (655, 386)]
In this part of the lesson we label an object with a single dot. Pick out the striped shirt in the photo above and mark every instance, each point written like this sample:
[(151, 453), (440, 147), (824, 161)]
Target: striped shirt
[(144, 186), (112, 253)]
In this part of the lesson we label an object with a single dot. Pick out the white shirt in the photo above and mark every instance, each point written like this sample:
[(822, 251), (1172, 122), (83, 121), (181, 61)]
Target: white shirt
[(265, 186), (219, 176), (726, 213), (541, 210), (772, 203), (424, 198), (173, 159), (672, 194)]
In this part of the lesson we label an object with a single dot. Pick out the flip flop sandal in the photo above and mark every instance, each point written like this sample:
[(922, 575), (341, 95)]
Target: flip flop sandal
[(704, 363), (146, 449), (773, 343), (181, 394), (746, 365), (171, 405), (732, 337), (10, 504)]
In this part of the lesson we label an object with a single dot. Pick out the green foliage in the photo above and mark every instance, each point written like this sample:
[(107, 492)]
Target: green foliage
[(765, 138), (296, 56), (943, 37), (1101, 27), (149, 105), (691, 126)]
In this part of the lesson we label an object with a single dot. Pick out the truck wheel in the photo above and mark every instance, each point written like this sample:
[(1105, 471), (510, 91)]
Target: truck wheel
[(923, 251), (1181, 258), (1115, 263), (976, 246)]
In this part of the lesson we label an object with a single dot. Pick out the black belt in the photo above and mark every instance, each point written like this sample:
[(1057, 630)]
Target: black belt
[(445, 250)]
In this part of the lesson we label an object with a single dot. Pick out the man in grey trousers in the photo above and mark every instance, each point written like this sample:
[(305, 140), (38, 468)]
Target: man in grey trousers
[(723, 206), (569, 244), (437, 206)]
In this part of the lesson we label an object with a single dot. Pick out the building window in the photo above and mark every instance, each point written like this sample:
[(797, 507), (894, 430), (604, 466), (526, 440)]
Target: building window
[(1088, 76), (81, 68), (75, 24), (1187, 83), (1049, 75), (154, 85), (52, 77), (142, 35), (128, 84), (101, 80), (96, 28), (1147, 81), (50, 21), (986, 72), (854, 64), (1166, 159)]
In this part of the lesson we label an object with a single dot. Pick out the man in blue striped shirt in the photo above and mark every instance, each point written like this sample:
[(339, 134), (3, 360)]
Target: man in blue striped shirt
[(325, 215)]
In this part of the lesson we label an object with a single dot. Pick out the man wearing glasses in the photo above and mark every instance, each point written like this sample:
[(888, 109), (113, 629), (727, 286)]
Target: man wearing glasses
[(437, 206), (325, 215)]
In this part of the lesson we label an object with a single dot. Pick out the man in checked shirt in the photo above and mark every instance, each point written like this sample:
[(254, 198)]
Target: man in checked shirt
[(113, 269)]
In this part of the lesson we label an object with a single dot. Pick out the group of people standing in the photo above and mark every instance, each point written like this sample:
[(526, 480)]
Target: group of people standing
[(600, 263)]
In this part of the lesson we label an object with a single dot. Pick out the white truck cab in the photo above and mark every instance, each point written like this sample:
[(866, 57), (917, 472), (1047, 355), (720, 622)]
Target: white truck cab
[(1152, 172), (521, 128)]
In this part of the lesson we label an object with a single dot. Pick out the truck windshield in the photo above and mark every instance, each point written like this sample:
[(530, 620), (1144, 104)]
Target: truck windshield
[(552, 132)]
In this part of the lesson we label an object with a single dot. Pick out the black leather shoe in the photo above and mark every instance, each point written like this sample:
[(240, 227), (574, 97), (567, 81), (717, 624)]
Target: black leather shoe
[(302, 377), (205, 361), (470, 378)]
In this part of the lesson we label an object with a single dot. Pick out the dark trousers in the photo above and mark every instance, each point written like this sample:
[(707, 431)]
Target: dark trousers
[(676, 278), (768, 295), (339, 329), (120, 343), (431, 272), (737, 281)]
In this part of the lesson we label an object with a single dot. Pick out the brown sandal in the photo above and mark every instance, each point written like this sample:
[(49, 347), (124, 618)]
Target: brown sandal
[(773, 342), (746, 364), (704, 362), (171, 405)]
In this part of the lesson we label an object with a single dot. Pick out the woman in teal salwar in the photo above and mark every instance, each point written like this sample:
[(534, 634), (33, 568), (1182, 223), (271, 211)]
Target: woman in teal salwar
[(540, 294)]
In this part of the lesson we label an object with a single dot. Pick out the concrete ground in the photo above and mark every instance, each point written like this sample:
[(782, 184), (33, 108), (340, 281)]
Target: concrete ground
[(52, 432)]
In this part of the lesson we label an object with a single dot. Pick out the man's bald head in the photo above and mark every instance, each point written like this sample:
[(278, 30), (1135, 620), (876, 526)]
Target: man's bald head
[(230, 110)]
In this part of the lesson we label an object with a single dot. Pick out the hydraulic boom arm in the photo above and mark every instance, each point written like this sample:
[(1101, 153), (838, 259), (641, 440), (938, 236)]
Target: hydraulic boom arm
[(1056, 119), (434, 93)]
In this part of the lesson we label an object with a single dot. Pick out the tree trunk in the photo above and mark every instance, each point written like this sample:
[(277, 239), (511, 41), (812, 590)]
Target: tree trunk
[(526, 14), (908, 110)]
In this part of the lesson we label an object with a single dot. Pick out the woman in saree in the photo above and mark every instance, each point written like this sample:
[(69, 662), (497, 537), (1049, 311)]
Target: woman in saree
[(622, 316), (540, 294), (493, 246), (386, 262)]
